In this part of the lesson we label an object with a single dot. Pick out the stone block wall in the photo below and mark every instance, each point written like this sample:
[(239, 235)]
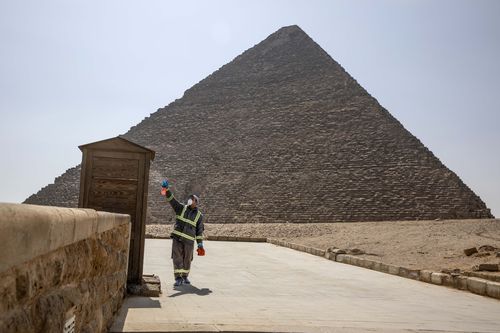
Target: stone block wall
[(56, 263)]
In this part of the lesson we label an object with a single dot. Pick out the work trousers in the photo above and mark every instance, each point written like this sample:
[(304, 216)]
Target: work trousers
[(182, 255)]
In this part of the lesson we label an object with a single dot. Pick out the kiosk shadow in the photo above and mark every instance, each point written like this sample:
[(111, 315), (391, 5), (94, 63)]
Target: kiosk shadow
[(190, 289), (143, 302)]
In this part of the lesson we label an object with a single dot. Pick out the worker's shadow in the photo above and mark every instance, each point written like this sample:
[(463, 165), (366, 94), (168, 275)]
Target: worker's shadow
[(190, 289)]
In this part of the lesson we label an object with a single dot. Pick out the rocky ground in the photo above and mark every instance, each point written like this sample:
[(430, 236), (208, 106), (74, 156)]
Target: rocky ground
[(433, 245)]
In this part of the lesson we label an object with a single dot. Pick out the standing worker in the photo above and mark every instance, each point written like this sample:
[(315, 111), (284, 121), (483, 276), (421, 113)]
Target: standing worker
[(188, 228)]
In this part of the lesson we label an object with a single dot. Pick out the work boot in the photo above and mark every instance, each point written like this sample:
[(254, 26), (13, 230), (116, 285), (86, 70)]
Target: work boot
[(178, 282), (186, 280)]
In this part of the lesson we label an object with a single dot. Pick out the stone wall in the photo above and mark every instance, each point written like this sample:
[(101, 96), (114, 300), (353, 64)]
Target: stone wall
[(284, 134), (56, 263)]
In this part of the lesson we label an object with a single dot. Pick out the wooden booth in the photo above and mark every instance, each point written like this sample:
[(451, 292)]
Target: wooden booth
[(114, 178)]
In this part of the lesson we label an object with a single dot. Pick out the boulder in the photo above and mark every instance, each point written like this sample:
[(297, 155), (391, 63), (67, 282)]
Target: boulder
[(470, 251), (488, 267)]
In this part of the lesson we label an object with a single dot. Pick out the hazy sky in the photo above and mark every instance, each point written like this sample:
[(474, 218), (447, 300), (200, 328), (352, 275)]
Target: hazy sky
[(75, 72)]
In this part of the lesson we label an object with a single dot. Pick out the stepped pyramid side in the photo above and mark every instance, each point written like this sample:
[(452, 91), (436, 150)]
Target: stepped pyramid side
[(63, 192), (284, 134)]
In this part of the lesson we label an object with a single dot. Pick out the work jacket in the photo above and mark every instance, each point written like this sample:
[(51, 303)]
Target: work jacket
[(188, 222)]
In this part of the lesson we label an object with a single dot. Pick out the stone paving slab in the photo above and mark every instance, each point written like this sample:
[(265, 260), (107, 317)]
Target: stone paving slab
[(260, 287)]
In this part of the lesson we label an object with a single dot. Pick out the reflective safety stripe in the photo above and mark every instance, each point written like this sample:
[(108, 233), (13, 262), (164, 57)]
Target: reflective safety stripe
[(199, 237), (183, 219), (197, 217), (170, 197), (188, 221), (175, 232), (181, 270)]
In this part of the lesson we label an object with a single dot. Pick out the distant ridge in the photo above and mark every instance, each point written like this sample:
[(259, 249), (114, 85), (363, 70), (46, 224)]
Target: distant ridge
[(284, 134)]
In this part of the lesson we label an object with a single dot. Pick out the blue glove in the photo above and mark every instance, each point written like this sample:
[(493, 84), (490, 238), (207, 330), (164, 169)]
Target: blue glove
[(164, 183), (200, 245)]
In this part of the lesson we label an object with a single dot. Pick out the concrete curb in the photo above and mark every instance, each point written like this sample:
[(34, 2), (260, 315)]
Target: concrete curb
[(472, 284), (298, 247), (485, 276), (237, 239)]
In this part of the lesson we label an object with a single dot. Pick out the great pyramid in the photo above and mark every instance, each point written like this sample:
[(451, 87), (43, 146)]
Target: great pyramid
[(284, 134)]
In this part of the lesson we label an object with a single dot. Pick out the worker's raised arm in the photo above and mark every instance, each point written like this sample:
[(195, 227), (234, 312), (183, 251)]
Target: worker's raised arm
[(176, 205)]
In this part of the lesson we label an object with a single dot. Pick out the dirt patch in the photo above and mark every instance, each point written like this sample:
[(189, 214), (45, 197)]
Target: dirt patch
[(433, 245)]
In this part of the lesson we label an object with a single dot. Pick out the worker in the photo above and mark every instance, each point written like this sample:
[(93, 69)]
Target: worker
[(188, 228)]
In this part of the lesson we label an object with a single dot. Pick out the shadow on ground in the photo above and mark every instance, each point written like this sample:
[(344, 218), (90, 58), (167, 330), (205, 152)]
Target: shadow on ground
[(144, 302), (190, 289)]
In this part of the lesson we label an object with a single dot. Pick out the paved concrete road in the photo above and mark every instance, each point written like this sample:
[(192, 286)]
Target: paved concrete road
[(259, 287)]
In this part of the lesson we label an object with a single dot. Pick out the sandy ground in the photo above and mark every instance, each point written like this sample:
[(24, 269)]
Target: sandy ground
[(434, 245)]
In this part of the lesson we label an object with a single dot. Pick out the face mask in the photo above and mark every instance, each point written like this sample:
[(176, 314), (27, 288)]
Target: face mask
[(190, 201)]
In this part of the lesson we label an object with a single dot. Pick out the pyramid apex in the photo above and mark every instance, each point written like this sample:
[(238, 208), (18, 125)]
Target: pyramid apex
[(285, 35), (289, 30)]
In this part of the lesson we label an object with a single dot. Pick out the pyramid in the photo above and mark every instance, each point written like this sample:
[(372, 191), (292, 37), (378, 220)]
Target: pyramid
[(284, 134)]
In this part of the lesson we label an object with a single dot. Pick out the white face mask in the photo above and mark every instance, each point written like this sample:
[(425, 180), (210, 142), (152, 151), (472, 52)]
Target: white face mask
[(190, 201)]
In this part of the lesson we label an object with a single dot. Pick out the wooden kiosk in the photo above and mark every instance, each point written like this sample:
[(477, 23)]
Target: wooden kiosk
[(114, 178)]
